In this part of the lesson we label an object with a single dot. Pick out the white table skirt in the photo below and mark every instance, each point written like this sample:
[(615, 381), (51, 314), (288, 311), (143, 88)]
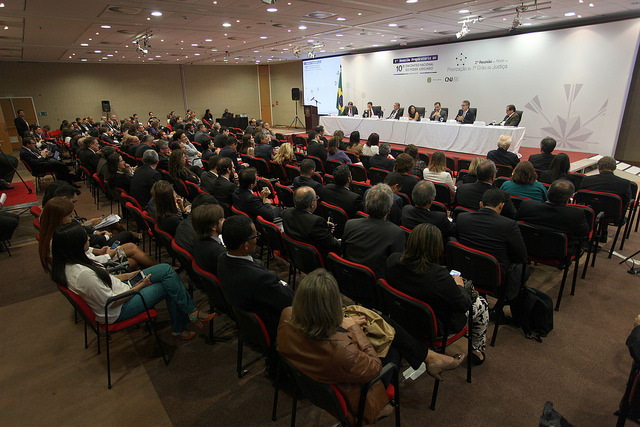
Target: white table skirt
[(434, 135)]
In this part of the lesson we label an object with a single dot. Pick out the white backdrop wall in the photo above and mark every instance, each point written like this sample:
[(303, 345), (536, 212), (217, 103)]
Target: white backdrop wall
[(571, 84)]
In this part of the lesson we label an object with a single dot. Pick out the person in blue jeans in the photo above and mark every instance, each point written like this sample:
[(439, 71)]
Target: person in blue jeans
[(72, 268)]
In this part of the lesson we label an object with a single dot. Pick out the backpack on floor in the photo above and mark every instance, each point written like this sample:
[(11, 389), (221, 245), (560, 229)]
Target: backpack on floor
[(533, 311)]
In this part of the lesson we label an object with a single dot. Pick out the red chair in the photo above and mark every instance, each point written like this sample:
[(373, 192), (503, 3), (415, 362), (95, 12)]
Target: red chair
[(356, 281), (611, 205), (89, 318), (303, 257)]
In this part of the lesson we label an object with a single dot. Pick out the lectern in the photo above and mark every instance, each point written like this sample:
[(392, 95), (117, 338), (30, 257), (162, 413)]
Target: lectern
[(310, 117)]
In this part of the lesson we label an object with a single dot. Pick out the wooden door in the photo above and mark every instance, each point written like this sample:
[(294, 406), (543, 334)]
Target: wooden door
[(265, 93), (4, 134), (10, 106)]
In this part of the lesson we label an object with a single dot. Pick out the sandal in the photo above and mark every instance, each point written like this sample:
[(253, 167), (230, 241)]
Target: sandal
[(184, 335), (199, 318)]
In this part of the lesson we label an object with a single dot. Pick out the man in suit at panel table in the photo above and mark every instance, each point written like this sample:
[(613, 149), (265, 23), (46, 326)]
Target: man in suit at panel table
[(144, 177), (300, 223), (554, 214), (246, 284), (502, 155), (438, 114), (465, 116), (371, 112), (254, 206), (511, 118), (488, 231), (397, 112), (307, 169), (208, 178), (21, 123), (470, 195), (543, 160), (225, 185), (423, 196), (338, 193), (370, 241), (350, 111)]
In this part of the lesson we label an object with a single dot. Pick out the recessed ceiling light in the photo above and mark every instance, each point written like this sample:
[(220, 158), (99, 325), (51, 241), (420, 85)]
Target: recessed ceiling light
[(158, 56), (341, 47), (214, 50), (463, 11), (302, 27), (263, 37), (272, 9), (156, 13), (526, 23), (104, 57), (69, 57), (6, 27), (226, 24), (148, 19), (256, 51), (194, 44), (376, 45), (591, 4), (2, 4), (83, 59), (341, 19), (393, 25), (110, 55), (393, 40), (412, 1), (196, 54), (208, 40), (90, 39), (97, 51), (322, 51), (339, 35), (570, 14), (310, 41), (238, 21), (105, 26), (215, 2)]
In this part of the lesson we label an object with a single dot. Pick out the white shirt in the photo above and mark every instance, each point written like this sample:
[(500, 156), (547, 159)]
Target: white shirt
[(370, 151), (443, 177), (84, 282)]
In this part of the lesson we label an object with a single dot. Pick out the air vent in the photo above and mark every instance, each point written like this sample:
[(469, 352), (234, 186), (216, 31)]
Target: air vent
[(280, 25), (234, 38), (128, 32), (442, 33), (125, 10), (502, 8), (110, 43), (320, 15)]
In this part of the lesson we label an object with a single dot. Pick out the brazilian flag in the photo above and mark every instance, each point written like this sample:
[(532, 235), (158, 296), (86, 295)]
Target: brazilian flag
[(339, 100)]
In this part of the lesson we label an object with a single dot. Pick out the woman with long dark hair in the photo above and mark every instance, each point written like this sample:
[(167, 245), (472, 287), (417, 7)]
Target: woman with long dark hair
[(73, 269), (371, 147), (170, 207), (177, 168), (119, 173), (413, 113)]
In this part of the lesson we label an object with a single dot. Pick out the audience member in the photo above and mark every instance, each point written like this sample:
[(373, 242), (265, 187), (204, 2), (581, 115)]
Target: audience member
[(229, 151), (285, 156), (371, 147), (543, 160), (315, 147), (394, 181), (404, 165), (224, 186), (262, 149), (307, 169), (334, 152), (207, 221), (419, 165), (170, 208), (89, 154), (220, 141), (354, 146), (382, 160), (470, 195), (339, 194), (119, 173), (470, 177), (559, 169), (146, 143), (424, 193), (208, 177), (523, 183), (437, 170), (501, 156), (254, 206), (177, 169), (42, 162), (185, 235)]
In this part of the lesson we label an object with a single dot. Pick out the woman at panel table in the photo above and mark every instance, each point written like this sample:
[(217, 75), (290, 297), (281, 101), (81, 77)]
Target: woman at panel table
[(413, 113), (73, 269)]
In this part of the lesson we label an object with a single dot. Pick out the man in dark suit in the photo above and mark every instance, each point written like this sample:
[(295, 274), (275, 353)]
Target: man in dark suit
[(320, 131), (262, 149), (251, 127), (202, 136), (221, 138), (89, 154), (106, 135), (370, 241), (511, 118), (350, 111), (465, 116), (162, 147), (543, 160), (371, 112), (396, 113), (394, 181), (254, 206), (315, 147), (246, 284), (42, 162), (230, 152), (338, 193), (146, 143), (207, 223), (382, 160), (224, 186), (208, 178), (307, 169), (555, 215), (502, 155), (470, 195), (302, 224), (188, 131), (488, 231), (21, 123), (144, 177), (423, 195), (438, 114)]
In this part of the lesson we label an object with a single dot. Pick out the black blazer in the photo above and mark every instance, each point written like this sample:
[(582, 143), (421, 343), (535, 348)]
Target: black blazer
[(317, 150), (354, 111), (302, 181), (566, 219), (253, 288), (223, 189), (381, 162), (310, 228), (370, 241), (470, 195), (141, 149), (408, 182), (121, 180), (436, 287), (442, 118), (231, 154), (375, 111), (89, 159), (503, 157), (542, 160), (207, 180), (163, 163), (263, 151), (22, 125), (398, 114), (608, 182), (469, 118), (342, 197), (251, 204), (413, 216), (206, 253), (143, 179)]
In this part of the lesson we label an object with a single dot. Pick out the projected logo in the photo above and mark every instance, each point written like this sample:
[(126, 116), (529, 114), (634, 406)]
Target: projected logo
[(460, 60), (570, 131), (428, 79)]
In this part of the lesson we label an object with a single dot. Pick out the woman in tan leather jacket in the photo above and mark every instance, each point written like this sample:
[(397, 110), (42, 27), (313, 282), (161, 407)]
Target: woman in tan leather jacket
[(330, 348)]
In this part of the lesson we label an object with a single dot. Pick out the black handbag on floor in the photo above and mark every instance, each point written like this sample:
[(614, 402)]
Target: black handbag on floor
[(533, 312)]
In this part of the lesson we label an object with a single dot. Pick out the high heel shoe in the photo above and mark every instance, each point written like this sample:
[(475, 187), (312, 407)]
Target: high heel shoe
[(184, 335), (475, 360), (436, 369), (198, 318)]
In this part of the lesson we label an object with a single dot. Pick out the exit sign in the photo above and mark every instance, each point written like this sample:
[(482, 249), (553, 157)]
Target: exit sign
[(43, 113)]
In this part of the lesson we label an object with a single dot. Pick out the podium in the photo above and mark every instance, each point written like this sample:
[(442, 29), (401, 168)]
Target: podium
[(311, 120)]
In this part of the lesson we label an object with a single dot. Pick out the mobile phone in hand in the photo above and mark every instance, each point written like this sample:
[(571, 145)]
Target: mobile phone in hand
[(115, 244), (136, 279)]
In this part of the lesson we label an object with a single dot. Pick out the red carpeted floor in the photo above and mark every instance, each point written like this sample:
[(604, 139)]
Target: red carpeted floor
[(19, 195)]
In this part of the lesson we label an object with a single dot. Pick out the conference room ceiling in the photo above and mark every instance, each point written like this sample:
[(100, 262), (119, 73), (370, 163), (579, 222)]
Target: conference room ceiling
[(192, 31)]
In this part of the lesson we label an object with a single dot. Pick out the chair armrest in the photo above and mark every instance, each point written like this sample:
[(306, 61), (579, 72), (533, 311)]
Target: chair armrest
[(126, 294), (389, 367)]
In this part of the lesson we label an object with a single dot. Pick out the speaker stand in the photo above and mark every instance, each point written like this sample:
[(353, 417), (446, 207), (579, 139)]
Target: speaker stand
[(297, 119)]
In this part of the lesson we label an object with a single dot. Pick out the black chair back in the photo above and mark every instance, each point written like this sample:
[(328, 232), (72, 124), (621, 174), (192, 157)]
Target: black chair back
[(377, 175), (285, 195), (213, 289), (444, 194), (359, 187), (305, 257), (330, 165), (261, 166), (292, 172), (356, 281), (278, 172), (463, 164), (480, 267), (504, 170), (358, 172), (338, 216), (365, 161), (319, 164)]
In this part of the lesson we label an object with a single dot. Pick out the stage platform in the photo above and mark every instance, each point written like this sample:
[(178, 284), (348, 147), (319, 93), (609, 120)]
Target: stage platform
[(19, 198)]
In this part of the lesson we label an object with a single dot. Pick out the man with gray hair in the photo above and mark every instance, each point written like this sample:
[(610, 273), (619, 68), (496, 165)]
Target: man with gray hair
[(146, 143), (162, 147), (470, 195), (423, 195), (382, 160), (302, 224), (369, 241), (502, 156), (144, 177)]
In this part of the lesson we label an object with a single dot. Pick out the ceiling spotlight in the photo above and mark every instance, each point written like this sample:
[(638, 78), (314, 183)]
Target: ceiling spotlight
[(84, 44), (1, 4), (105, 26), (302, 27), (226, 24), (272, 9), (463, 32), (341, 19), (6, 27), (156, 13), (269, 1)]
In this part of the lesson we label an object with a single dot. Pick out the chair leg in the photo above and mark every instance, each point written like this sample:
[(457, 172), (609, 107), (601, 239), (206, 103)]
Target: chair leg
[(469, 345), (575, 275), (560, 292), (434, 396), (499, 315), (239, 360), (276, 387), (108, 360), (86, 345), (586, 261), (294, 406), (615, 239)]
